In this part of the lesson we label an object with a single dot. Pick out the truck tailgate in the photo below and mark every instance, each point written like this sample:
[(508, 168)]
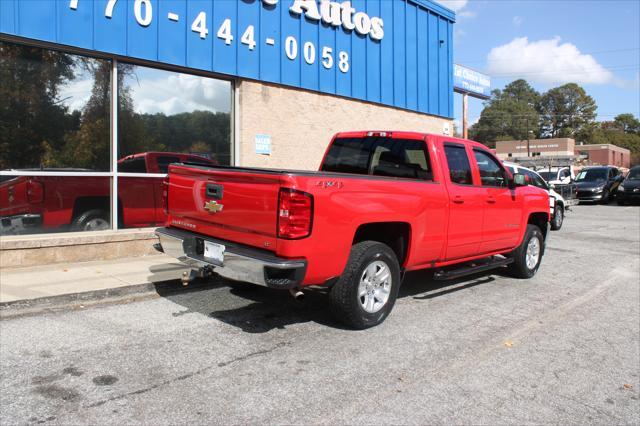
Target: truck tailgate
[(233, 205)]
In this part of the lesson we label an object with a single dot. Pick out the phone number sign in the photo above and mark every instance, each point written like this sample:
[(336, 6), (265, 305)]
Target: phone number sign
[(348, 48)]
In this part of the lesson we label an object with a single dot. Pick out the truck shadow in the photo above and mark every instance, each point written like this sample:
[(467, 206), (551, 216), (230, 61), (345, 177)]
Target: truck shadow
[(255, 309)]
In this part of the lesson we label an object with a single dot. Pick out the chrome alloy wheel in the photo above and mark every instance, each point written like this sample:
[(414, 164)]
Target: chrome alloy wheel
[(375, 286), (533, 253)]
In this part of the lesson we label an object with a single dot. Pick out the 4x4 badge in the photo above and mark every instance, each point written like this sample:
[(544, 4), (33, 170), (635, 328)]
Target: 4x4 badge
[(212, 206)]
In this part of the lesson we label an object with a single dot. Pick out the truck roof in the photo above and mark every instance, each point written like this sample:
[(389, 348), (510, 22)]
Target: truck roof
[(400, 134)]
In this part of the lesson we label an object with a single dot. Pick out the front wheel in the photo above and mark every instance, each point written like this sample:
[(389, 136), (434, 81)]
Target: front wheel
[(558, 218), (527, 257), (367, 290)]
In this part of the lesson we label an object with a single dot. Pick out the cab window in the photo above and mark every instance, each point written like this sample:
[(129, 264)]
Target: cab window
[(535, 179), (459, 166), (491, 172)]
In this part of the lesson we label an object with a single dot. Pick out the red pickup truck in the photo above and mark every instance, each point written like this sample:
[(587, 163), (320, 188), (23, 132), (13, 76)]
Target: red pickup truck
[(382, 203), (81, 203)]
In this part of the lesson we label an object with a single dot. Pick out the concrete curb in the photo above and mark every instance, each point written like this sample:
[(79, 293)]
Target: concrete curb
[(109, 296)]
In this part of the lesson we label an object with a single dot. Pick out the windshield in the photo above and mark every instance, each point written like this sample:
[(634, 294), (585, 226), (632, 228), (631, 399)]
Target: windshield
[(592, 175), (634, 174), (548, 175)]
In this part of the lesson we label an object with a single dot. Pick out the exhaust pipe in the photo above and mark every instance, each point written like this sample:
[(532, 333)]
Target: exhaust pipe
[(296, 293)]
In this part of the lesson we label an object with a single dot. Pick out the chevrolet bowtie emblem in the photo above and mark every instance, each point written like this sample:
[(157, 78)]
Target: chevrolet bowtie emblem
[(212, 206)]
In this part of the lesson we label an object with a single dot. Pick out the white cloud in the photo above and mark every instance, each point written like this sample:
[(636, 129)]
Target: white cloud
[(546, 61), (176, 93), (76, 93), (455, 5), (158, 91), (465, 14), (517, 20)]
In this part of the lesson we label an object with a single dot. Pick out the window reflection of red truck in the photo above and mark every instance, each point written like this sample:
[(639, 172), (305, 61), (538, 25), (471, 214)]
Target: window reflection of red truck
[(82, 203)]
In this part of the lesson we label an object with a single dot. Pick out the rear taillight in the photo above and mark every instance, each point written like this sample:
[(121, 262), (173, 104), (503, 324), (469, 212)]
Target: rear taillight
[(295, 214), (165, 195), (35, 191)]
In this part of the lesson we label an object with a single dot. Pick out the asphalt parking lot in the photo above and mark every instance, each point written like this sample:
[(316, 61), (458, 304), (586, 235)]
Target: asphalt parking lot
[(560, 348)]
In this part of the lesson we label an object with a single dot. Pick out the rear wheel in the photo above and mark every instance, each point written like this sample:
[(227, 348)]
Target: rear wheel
[(367, 290), (527, 257), (558, 218), (92, 220)]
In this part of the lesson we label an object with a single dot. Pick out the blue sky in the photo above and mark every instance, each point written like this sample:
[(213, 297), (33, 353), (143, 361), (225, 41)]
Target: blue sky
[(595, 43)]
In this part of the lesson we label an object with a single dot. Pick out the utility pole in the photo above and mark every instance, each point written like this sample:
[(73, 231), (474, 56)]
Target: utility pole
[(528, 147), (465, 118)]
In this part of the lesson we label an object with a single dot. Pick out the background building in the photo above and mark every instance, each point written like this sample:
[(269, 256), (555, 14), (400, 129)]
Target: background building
[(562, 151), (552, 148), (98, 97), (604, 154)]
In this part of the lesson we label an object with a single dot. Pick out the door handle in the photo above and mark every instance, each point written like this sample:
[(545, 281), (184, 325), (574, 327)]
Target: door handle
[(491, 200), (458, 200)]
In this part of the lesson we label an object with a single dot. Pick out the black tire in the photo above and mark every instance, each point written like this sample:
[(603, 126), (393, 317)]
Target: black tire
[(621, 202), (91, 220), (558, 218), (519, 268), (346, 304)]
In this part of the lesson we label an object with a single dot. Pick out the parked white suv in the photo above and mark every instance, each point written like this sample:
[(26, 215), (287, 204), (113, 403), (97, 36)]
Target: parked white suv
[(557, 175), (557, 205)]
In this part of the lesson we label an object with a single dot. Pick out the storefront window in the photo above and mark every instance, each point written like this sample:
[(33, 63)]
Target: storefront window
[(55, 135), (54, 110), (163, 111)]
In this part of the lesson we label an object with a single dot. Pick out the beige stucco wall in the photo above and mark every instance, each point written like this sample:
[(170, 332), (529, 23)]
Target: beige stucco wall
[(301, 123)]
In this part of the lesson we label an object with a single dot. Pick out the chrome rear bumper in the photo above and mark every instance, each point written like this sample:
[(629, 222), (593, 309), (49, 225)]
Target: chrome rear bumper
[(241, 263)]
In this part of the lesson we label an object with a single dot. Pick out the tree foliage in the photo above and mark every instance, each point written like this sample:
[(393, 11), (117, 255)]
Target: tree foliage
[(566, 112), (519, 112), (38, 130), (511, 113)]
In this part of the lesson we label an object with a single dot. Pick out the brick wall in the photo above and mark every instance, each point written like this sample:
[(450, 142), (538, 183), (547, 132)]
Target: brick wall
[(301, 123)]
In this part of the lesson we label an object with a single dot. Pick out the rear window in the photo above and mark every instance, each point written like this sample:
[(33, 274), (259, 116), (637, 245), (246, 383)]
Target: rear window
[(133, 165), (164, 161), (379, 156)]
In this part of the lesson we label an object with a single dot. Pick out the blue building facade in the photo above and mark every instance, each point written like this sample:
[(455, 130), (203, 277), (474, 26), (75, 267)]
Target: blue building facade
[(391, 52)]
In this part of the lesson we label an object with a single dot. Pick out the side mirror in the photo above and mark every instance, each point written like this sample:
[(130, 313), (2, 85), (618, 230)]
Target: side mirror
[(519, 180), (552, 186)]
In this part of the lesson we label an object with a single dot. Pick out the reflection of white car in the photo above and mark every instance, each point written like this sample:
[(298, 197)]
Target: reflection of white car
[(557, 204), (557, 175)]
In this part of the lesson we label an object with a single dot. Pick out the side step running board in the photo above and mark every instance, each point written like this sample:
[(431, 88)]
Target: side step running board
[(471, 268)]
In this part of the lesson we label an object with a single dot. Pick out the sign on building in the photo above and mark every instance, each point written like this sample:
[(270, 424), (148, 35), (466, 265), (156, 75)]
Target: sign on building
[(471, 82)]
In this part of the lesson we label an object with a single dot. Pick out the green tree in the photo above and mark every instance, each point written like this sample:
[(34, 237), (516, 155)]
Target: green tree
[(627, 123), (567, 111), (622, 132), (89, 146), (33, 120), (511, 113)]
